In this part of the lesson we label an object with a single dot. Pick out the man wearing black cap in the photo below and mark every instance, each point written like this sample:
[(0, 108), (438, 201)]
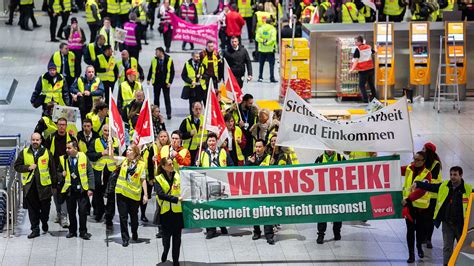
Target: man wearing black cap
[(107, 70), (51, 86)]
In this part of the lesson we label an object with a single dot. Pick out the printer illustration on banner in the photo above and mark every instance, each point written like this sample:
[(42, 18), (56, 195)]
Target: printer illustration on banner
[(204, 188)]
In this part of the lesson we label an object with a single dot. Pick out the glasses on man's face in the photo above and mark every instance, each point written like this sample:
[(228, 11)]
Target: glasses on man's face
[(62, 125)]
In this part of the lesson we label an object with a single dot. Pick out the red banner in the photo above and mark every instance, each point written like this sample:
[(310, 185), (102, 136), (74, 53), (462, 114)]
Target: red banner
[(194, 33)]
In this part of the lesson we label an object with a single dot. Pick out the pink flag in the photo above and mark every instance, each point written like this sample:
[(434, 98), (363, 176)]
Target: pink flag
[(194, 33), (215, 120), (144, 128), (116, 123), (233, 90)]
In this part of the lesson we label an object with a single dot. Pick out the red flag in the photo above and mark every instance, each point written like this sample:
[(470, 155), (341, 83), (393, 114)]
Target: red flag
[(144, 128), (232, 86), (116, 123), (215, 120)]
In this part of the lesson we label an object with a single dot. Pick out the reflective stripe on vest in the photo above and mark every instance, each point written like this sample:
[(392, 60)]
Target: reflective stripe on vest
[(260, 15), (349, 13), (100, 164), (215, 62), (89, 16), (122, 70), (93, 87), (245, 8), (75, 42), (174, 191), (192, 75), (67, 5), (103, 63), (130, 39), (53, 92), (81, 168), (422, 202), (130, 187), (187, 12), (42, 166), (365, 60), (443, 193), (198, 5), (113, 7), (193, 143), (57, 6), (96, 123), (57, 60), (124, 7), (109, 39)]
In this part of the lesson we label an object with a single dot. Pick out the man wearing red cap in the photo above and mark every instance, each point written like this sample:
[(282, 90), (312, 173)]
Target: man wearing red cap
[(128, 88)]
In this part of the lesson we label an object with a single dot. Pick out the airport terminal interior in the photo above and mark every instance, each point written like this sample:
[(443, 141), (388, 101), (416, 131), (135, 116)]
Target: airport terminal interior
[(24, 56)]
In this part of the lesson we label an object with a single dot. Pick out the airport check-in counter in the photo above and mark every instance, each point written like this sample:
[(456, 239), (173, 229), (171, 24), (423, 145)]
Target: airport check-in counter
[(323, 55)]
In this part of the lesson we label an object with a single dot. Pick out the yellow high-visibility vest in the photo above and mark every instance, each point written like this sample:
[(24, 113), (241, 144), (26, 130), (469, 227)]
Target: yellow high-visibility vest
[(104, 161), (127, 91), (89, 16), (443, 194), (130, 186), (175, 190), (422, 202), (59, 63), (42, 165), (193, 143), (110, 64), (82, 169)]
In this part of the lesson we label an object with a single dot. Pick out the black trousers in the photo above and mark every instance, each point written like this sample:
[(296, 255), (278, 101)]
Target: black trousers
[(108, 85), (166, 240), (127, 207), (430, 222), (38, 210), (262, 58), (336, 228), (367, 77), (151, 14), (157, 88), (417, 229), (94, 28), (214, 229), (267, 229), (143, 206), (249, 23), (77, 63), (240, 80), (167, 38), (80, 201), (64, 20), (32, 15), (101, 179), (53, 24), (11, 9), (25, 14)]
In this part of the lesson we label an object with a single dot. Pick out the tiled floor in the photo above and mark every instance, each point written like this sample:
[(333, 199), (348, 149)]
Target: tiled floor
[(24, 56)]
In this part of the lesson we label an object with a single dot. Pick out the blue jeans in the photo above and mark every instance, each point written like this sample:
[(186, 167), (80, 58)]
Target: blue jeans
[(262, 58)]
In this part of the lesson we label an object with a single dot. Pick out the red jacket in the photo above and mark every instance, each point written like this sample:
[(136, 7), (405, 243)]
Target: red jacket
[(234, 23)]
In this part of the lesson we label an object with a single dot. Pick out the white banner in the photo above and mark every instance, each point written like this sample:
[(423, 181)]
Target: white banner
[(387, 129)]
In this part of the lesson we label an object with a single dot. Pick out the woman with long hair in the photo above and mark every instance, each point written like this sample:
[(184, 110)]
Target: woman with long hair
[(130, 184), (236, 140), (168, 191), (433, 163), (75, 42)]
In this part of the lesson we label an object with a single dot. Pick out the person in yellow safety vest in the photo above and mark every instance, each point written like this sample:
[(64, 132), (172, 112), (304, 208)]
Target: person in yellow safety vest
[(194, 89), (444, 6), (86, 136), (93, 18), (394, 9), (128, 88), (180, 155), (213, 156), (433, 163), (141, 9), (26, 11), (103, 165), (161, 74), (246, 11), (201, 7), (93, 49), (87, 90), (113, 8), (107, 70), (125, 7), (64, 13), (65, 63), (75, 171), (193, 131), (280, 155), (38, 176), (51, 87), (46, 126), (417, 203), (258, 18), (261, 158), (109, 33), (127, 63), (307, 11), (236, 140), (56, 144), (266, 37), (152, 5), (168, 196), (211, 62), (131, 182), (99, 117), (349, 12), (325, 12), (54, 9), (451, 204), (365, 14), (329, 156)]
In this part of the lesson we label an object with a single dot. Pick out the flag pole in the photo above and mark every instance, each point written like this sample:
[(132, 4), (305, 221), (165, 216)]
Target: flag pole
[(233, 91), (110, 140), (208, 102)]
